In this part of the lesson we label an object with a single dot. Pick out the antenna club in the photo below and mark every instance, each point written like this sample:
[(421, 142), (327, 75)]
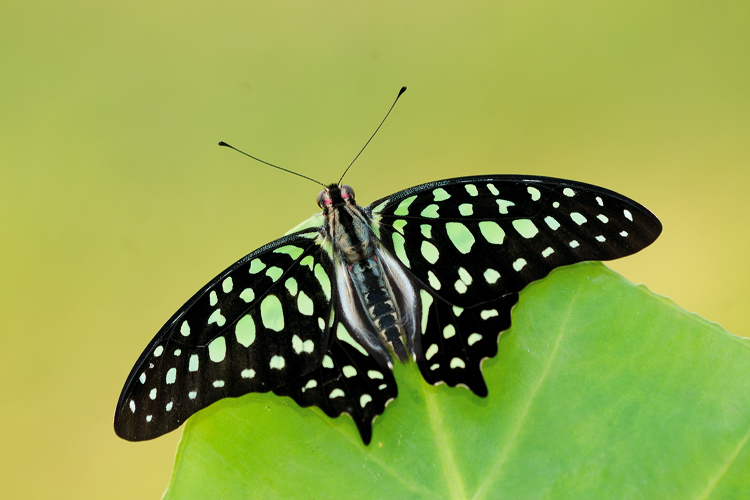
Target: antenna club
[(222, 143), (403, 89)]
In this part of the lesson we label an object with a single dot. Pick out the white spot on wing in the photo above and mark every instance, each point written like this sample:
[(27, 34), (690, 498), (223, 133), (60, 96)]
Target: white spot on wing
[(577, 218), (465, 209), (277, 362), (217, 318), (336, 393), (552, 223), (473, 338), (433, 280), (488, 313), (431, 351), (491, 276), (449, 331)]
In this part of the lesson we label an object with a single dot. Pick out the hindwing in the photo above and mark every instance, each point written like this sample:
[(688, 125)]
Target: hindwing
[(351, 379)]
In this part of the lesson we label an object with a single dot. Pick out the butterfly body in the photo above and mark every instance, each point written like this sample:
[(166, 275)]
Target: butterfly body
[(431, 273)]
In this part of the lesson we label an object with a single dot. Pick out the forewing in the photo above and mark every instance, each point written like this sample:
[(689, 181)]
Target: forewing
[(474, 239), (258, 325), (350, 380)]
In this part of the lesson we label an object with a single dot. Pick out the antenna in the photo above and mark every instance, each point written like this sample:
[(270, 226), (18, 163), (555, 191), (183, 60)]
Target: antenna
[(222, 143), (403, 89)]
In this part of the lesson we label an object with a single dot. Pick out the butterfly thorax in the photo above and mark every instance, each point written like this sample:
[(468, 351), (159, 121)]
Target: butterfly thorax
[(364, 290)]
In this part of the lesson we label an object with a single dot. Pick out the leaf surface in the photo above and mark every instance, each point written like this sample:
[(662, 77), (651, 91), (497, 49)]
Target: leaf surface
[(601, 389)]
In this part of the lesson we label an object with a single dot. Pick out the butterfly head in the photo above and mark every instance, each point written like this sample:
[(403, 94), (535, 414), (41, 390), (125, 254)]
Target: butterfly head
[(336, 196)]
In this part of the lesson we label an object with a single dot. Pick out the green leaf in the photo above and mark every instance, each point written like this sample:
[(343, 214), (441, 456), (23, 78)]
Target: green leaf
[(601, 389)]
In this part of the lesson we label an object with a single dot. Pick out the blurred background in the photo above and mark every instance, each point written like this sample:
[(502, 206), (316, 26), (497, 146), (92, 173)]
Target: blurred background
[(116, 204)]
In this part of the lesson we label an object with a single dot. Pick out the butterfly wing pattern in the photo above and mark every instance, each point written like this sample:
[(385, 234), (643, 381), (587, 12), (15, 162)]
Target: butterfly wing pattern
[(275, 321), (258, 325), (473, 243)]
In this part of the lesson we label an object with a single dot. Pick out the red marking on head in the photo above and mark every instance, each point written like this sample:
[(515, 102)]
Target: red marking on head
[(327, 201), (345, 195)]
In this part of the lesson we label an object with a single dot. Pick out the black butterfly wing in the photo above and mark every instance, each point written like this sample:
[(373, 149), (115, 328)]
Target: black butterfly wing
[(258, 325), (473, 243), (351, 380)]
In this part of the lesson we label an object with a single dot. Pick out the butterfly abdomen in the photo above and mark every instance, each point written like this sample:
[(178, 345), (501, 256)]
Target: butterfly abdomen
[(369, 281)]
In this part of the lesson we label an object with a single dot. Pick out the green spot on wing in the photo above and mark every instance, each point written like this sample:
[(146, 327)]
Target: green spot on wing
[(503, 206), (492, 232), (427, 300), (272, 313), (316, 220), (325, 281), (245, 330), (403, 207), (256, 266), (291, 285), (304, 304), (274, 273), (430, 252), (343, 334), (430, 211), (466, 209), (217, 350), (379, 207), (578, 218), (308, 261), (398, 247), (460, 236), (525, 228), (291, 250), (441, 194)]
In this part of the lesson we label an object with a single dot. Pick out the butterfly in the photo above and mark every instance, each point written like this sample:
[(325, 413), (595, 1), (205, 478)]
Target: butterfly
[(429, 273)]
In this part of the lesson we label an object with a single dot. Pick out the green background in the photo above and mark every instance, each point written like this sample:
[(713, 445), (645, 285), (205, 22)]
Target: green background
[(116, 204)]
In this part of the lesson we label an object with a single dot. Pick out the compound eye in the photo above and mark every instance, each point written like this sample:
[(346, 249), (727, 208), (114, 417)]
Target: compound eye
[(347, 191), (323, 197)]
